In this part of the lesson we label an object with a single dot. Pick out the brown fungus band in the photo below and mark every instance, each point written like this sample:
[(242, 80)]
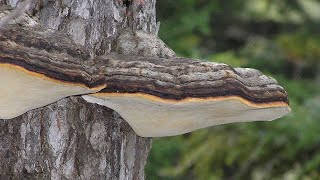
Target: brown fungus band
[(156, 96)]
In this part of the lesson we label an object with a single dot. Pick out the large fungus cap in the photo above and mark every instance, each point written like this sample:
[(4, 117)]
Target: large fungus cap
[(166, 97), (156, 96)]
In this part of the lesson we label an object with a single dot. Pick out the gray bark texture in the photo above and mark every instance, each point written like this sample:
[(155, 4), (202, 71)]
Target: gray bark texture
[(73, 139)]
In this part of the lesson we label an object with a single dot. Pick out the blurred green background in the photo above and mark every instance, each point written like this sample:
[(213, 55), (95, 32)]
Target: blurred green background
[(281, 38)]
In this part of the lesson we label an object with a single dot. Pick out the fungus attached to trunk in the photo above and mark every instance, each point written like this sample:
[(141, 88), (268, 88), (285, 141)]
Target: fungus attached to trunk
[(165, 97), (156, 96), (22, 90), (40, 67)]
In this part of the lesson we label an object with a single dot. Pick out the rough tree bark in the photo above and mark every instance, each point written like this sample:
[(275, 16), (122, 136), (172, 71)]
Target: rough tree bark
[(72, 139)]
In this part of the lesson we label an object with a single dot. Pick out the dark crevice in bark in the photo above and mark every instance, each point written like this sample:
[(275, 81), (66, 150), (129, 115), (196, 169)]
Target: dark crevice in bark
[(127, 3)]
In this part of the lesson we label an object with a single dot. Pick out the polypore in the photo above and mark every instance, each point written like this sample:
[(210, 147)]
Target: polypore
[(156, 96), (40, 67), (165, 97)]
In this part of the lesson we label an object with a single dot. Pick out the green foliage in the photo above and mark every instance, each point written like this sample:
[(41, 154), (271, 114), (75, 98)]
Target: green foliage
[(228, 57), (281, 11), (263, 54), (185, 22), (300, 46), (287, 148), (164, 154)]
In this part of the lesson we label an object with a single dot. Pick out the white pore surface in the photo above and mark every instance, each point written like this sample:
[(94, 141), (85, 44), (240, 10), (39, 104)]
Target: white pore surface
[(150, 118), (21, 92)]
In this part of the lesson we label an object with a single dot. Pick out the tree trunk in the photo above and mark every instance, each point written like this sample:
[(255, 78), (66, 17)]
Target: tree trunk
[(73, 139)]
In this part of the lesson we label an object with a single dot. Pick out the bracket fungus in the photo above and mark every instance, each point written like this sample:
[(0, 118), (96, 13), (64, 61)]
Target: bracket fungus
[(166, 97), (38, 68), (156, 96)]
